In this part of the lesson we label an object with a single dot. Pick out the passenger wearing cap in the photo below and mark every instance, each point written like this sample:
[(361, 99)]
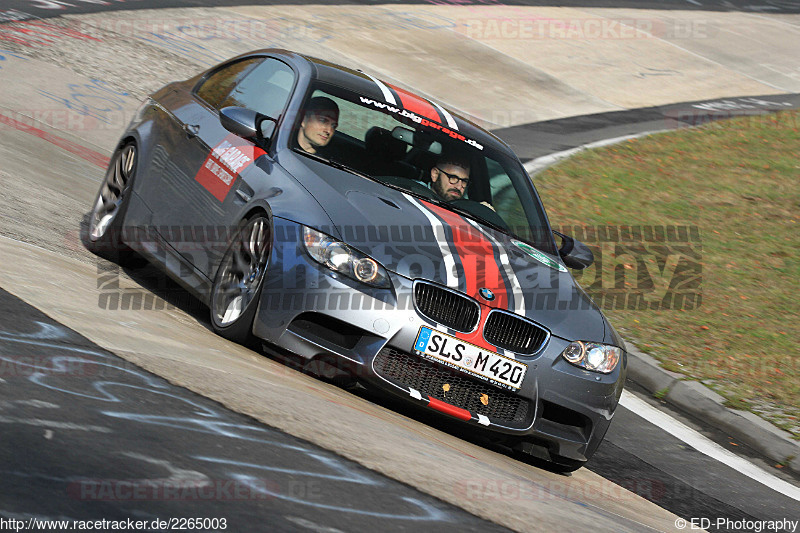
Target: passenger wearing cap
[(319, 124)]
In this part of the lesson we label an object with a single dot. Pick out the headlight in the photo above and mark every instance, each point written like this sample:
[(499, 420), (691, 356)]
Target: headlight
[(593, 356), (339, 257)]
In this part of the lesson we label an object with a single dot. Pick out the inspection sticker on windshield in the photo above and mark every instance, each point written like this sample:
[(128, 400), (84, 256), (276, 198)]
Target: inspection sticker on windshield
[(539, 256), (465, 357)]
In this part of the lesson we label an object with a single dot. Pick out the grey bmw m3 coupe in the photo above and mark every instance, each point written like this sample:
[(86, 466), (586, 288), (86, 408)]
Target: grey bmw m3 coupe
[(321, 212)]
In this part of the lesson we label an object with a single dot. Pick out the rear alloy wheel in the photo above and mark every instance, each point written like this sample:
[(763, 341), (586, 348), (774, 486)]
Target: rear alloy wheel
[(237, 285), (105, 221)]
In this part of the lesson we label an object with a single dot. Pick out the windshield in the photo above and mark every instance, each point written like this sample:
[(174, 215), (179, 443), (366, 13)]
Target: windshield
[(476, 177)]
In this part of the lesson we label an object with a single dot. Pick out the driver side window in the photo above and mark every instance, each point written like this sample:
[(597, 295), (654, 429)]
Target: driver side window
[(216, 87), (261, 84), (265, 88)]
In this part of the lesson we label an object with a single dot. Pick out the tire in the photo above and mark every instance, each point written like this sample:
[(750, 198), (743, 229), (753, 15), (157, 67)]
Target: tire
[(104, 233), (237, 284)]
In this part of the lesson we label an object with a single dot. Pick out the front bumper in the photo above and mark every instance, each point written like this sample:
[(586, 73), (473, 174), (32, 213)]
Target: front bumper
[(319, 315)]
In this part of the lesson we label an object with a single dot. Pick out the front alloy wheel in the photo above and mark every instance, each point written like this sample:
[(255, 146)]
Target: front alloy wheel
[(104, 230), (238, 280), (112, 192)]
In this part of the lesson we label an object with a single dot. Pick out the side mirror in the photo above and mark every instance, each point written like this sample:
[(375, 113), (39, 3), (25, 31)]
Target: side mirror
[(574, 253), (247, 123)]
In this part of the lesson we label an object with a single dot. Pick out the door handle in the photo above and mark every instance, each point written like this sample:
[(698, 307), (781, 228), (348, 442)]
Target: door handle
[(192, 130)]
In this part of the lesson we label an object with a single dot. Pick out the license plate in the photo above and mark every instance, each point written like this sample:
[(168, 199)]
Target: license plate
[(487, 365)]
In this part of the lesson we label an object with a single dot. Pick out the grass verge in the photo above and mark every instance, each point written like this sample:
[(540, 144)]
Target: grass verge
[(735, 184)]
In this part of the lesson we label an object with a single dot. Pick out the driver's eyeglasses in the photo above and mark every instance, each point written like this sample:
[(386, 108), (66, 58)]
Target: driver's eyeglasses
[(454, 179)]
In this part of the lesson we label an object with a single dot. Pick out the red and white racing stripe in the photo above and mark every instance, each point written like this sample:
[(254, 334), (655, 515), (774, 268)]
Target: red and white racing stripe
[(388, 97), (416, 104), (447, 116), (448, 254), (516, 296), (476, 254)]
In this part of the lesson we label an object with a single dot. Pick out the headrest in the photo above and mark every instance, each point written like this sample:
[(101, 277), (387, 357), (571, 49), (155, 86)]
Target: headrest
[(379, 142)]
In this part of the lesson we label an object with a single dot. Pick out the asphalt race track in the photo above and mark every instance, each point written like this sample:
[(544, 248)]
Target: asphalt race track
[(114, 410), (181, 453)]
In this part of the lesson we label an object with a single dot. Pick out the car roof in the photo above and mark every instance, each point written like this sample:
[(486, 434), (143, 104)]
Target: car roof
[(381, 91)]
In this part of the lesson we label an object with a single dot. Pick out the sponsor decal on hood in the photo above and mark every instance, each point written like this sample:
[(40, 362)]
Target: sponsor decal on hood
[(539, 256)]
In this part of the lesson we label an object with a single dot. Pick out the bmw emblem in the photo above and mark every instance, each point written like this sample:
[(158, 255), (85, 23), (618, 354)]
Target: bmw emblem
[(486, 294)]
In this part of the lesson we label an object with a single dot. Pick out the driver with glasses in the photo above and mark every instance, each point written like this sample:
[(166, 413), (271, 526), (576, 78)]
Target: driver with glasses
[(450, 178)]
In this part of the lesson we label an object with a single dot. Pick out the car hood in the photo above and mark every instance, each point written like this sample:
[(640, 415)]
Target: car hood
[(417, 239)]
